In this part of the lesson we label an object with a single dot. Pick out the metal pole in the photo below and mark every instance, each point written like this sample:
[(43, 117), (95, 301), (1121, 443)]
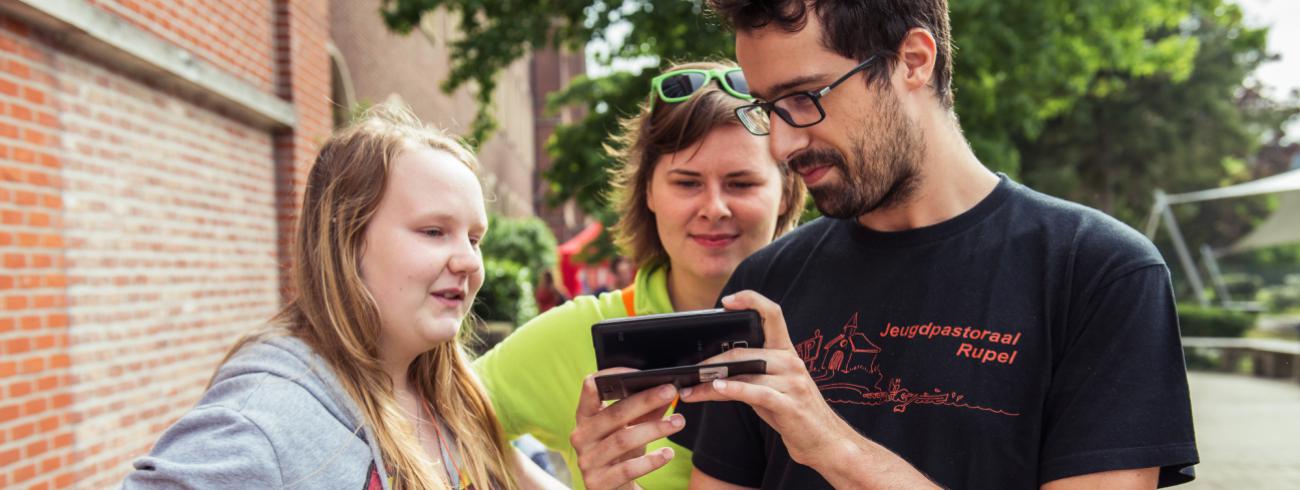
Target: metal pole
[(1153, 221), (1185, 257), (1216, 277)]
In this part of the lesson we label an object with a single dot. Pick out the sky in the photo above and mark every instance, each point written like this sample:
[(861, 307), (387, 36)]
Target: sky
[(1283, 16), (1280, 77)]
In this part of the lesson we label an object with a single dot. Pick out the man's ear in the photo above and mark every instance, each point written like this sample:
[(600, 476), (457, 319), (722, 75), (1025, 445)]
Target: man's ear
[(917, 55)]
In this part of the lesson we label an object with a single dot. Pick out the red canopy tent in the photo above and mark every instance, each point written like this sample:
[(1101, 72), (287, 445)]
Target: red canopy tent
[(569, 270)]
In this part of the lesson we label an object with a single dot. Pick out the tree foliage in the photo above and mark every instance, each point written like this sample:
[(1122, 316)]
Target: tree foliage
[(1098, 101), (1141, 133), (1019, 62)]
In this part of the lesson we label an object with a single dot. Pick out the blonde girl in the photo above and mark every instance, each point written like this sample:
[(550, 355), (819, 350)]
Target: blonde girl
[(360, 381)]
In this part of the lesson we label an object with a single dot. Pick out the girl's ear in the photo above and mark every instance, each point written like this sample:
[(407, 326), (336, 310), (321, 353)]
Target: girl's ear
[(649, 195)]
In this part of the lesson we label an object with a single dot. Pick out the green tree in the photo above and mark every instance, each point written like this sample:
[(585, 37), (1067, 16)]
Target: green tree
[(1019, 63), (1132, 134)]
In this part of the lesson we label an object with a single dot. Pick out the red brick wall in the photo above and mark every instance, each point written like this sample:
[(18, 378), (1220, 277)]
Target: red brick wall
[(231, 34), (35, 400), (302, 33), (139, 232), (170, 254)]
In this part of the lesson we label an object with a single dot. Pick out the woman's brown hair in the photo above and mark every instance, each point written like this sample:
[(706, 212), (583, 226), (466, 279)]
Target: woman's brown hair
[(662, 128)]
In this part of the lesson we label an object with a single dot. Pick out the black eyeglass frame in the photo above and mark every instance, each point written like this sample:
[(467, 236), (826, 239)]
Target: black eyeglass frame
[(814, 95)]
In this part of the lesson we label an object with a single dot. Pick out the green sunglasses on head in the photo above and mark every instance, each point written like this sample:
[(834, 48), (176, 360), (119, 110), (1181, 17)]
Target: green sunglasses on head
[(679, 85)]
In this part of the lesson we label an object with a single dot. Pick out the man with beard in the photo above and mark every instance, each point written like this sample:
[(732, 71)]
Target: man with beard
[(943, 325)]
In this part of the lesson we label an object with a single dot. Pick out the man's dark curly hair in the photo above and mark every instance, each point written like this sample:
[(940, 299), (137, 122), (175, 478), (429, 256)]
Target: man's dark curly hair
[(856, 29)]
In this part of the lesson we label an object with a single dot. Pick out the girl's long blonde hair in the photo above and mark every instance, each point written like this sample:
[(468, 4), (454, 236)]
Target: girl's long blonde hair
[(334, 313)]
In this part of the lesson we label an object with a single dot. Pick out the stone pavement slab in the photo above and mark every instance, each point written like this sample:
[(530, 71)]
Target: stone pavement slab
[(1247, 432)]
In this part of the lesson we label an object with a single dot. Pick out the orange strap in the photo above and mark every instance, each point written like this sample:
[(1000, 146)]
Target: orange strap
[(629, 300)]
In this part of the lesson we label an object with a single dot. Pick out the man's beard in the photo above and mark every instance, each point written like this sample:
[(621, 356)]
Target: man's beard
[(864, 187)]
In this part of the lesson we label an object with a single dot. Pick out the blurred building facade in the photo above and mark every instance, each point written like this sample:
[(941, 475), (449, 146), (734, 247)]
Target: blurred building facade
[(372, 65), (152, 157)]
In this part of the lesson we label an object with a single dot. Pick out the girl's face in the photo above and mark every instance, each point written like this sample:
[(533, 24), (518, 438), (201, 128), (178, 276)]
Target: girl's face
[(420, 259), (716, 202)]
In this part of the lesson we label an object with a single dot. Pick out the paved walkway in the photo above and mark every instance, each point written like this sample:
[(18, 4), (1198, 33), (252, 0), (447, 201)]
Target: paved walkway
[(1247, 432)]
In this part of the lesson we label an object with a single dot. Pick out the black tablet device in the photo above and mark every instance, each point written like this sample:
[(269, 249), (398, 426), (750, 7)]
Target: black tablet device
[(667, 348), (623, 385)]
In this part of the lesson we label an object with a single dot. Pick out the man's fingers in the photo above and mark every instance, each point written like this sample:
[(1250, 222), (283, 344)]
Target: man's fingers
[(779, 361), (739, 354), (777, 337), (783, 369), (625, 472), (704, 392), (734, 389)]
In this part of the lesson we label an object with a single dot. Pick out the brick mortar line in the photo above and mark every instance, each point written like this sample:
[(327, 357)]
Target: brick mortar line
[(223, 216), (169, 314), (213, 304), (47, 393), (25, 228), (192, 239)]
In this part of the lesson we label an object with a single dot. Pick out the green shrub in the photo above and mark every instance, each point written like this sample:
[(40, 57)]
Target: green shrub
[(1201, 359), (1283, 297), (1199, 321), (1243, 286), (514, 251), (507, 293), (527, 242)]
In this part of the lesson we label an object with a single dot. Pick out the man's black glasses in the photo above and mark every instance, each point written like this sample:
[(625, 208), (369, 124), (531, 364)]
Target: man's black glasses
[(799, 109)]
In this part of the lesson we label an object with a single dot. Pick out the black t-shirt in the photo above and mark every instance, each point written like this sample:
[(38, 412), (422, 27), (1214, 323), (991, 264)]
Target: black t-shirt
[(1027, 340)]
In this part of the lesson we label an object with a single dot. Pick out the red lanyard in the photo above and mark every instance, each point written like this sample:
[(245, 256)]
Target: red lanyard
[(450, 459)]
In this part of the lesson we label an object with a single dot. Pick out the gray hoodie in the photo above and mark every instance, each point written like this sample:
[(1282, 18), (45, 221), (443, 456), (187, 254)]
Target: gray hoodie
[(274, 417)]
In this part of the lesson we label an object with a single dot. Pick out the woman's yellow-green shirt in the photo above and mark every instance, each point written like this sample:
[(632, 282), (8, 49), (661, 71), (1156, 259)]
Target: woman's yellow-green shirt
[(535, 375)]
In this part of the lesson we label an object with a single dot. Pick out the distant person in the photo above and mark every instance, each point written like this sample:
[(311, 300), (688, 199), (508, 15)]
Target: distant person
[(942, 325), (696, 194), (360, 381), (604, 280), (591, 283), (624, 272), (548, 294)]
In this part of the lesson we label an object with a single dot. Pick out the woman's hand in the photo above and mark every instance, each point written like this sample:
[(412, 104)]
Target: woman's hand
[(611, 440)]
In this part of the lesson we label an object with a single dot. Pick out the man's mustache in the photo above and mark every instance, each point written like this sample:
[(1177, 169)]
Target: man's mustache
[(816, 158)]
